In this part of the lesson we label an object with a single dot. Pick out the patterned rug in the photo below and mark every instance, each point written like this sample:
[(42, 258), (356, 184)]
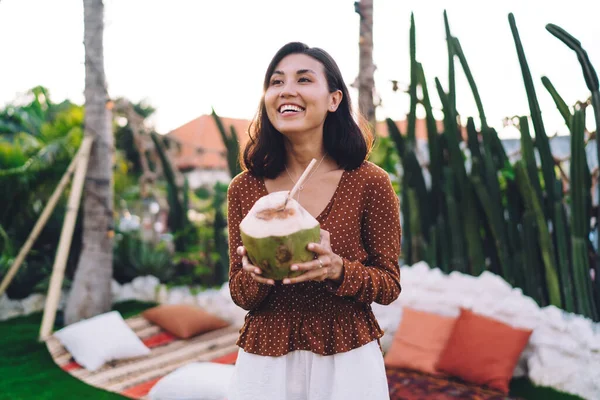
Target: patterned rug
[(411, 385), (134, 378)]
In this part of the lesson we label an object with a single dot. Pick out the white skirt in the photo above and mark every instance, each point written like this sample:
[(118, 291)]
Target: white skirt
[(302, 375)]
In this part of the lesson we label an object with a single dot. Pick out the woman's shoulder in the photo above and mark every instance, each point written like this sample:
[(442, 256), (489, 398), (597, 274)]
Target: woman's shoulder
[(243, 181), (371, 173)]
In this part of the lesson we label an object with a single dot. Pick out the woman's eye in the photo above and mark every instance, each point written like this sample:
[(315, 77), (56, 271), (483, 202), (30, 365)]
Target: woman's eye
[(276, 81), (303, 79)]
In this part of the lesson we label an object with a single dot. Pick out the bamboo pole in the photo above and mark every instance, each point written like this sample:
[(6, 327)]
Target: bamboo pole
[(64, 244), (44, 216)]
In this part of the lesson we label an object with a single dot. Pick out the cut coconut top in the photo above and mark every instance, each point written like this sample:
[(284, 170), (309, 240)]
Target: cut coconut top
[(266, 218)]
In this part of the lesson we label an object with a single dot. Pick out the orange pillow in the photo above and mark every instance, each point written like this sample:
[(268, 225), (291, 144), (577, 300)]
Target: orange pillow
[(419, 341), (182, 320), (483, 351)]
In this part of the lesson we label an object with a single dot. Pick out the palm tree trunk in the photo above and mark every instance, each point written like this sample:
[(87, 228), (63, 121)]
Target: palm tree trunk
[(366, 71), (91, 292)]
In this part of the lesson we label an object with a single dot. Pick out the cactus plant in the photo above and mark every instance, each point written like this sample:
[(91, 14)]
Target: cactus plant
[(465, 66), (564, 264), (412, 114), (541, 139), (528, 157), (176, 196), (545, 240), (563, 108), (230, 140), (511, 219), (219, 225), (591, 80), (451, 74), (580, 204), (455, 227), (534, 285)]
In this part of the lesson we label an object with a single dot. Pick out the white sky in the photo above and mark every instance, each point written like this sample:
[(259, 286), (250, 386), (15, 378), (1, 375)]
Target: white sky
[(184, 56)]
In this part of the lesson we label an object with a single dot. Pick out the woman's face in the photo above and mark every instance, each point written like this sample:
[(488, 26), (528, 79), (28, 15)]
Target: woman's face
[(297, 99)]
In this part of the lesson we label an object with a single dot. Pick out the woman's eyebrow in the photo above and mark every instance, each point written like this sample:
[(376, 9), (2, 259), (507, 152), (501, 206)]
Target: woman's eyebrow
[(304, 71), (299, 72)]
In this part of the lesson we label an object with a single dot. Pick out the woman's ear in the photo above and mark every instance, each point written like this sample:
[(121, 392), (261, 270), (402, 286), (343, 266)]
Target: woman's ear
[(335, 99)]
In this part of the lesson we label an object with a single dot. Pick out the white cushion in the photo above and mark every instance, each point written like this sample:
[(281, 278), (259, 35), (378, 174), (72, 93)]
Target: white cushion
[(97, 340), (195, 381)]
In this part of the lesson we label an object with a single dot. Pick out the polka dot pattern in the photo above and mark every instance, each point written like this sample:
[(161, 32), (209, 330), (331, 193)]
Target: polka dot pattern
[(364, 223)]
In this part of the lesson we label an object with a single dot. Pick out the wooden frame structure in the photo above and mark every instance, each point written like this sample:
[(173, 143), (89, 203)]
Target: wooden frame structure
[(78, 168)]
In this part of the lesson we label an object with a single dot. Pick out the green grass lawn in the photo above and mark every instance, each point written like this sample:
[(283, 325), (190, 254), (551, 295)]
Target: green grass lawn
[(28, 372)]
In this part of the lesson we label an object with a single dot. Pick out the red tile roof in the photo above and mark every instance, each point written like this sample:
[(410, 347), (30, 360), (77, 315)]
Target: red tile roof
[(202, 146)]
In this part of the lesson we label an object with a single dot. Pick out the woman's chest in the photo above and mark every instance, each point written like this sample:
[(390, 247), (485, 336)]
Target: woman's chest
[(315, 194)]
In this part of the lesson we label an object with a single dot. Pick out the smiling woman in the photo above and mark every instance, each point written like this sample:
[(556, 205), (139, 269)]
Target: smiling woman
[(314, 335), (311, 84)]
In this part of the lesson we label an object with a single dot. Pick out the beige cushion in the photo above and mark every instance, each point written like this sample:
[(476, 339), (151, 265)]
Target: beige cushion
[(182, 320)]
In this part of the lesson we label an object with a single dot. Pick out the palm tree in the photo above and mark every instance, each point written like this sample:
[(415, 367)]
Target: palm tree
[(366, 72), (91, 291)]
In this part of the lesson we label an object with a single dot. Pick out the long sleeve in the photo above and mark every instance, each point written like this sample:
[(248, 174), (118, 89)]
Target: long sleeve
[(378, 279), (245, 291)]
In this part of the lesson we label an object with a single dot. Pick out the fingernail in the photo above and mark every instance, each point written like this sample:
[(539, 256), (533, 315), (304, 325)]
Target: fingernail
[(311, 246), (257, 271), (286, 281), (271, 282), (294, 268)]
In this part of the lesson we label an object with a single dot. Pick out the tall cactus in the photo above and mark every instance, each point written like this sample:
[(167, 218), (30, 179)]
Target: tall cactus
[(433, 142), (497, 225), (541, 139), (467, 70), (564, 263), (528, 157), (412, 178), (580, 189), (412, 114), (467, 200), (455, 226), (230, 140), (400, 145), (534, 282), (589, 73), (219, 225), (178, 221), (547, 249), (415, 226), (563, 108), (591, 80), (451, 74)]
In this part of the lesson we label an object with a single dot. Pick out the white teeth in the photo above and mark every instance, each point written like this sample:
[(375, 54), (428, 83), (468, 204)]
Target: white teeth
[(290, 107)]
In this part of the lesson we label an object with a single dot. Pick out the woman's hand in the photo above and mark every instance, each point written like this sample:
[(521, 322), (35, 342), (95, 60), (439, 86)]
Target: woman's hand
[(253, 270), (327, 265)]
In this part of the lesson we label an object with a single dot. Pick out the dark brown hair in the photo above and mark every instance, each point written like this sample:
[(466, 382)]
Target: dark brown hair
[(344, 141)]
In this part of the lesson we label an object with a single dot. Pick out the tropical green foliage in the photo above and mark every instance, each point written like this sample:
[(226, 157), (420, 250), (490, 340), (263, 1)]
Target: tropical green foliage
[(37, 142)]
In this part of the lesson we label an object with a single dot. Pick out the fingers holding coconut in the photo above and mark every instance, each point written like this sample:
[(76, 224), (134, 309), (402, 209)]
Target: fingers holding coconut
[(318, 263), (246, 265), (316, 270), (254, 271)]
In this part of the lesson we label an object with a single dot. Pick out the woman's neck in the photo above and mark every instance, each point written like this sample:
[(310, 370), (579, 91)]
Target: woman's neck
[(299, 156)]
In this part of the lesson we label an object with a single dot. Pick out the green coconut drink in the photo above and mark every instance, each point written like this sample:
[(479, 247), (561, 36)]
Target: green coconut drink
[(276, 238)]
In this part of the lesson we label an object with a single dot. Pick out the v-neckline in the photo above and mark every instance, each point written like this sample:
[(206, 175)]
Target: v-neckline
[(327, 206)]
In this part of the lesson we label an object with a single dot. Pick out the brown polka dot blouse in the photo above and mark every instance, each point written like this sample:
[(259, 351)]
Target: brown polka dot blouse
[(363, 220)]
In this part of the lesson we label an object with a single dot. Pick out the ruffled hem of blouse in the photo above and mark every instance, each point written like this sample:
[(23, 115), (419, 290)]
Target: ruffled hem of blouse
[(270, 335)]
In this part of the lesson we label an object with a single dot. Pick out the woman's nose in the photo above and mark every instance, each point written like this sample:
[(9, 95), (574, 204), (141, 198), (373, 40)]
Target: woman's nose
[(288, 90)]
